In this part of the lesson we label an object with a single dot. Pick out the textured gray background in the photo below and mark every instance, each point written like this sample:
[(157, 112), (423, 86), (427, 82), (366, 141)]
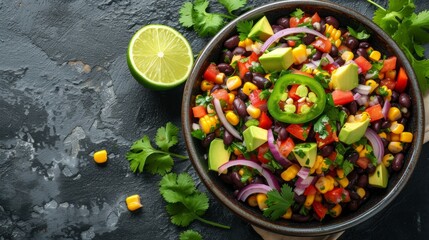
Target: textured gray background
[(65, 92)]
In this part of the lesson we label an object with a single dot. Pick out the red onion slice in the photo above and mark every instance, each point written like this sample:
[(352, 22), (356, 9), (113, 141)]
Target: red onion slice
[(363, 89), (356, 96), (225, 122), (252, 188), (385, 109), (275, 151), (362, 100), (327, 56), (377, 144), (302, 184), (271, 179), (303, 172), (289, 31)]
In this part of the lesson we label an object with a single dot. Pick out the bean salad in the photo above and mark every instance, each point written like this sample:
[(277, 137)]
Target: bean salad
[(302, 117)]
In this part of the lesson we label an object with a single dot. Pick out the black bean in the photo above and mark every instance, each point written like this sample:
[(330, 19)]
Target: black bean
[(353, 205), (248, 76), (300, 218), (236, 180), (352, 177), (404, 100), (380, 99), (334, 51), (241, 94), (317, 55), (340, 61), (232, 42), (362, 52), (261, 82), (332, 21), (208, 139), (385, 142), (300, 199), (227, 138), (352, 42), (395, 97), (376, 125), (258, 74), (277, 28), (353, 107), (216, 87), (239, 51), (363, 180), (308, 39), (407, 114), (240, 107), (322, 26), (353, 157), (385, 124), (257, 179), (346, 110), (364, 45), (362, 79), (283, 134), (226, 56), (226, 178), (326, 150), (354, 195), (371, 168), (284, 22), (225, 68), (403, 121), (398, 162)]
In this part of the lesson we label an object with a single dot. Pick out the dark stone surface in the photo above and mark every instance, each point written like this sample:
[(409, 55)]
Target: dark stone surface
[(66, 92)]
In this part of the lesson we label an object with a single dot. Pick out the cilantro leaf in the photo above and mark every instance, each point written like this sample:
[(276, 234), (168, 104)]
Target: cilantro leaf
[(232, 5), (186, 15), (298, 13), (420, 27), (142, 155), (278, 202), (243, 29), (320, 126), (175, 188), (359, 35), (198, 134), (190, 235)]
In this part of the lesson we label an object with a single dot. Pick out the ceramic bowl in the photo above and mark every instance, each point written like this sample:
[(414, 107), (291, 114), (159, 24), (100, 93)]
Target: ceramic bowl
[(378, 200)]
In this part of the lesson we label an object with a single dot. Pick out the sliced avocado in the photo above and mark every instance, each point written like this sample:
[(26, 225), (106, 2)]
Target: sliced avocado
[(380, 177), (254, 137), (262, 29), (345, 77), (305, 153), (218, 155), (277, 60), (353, 131)]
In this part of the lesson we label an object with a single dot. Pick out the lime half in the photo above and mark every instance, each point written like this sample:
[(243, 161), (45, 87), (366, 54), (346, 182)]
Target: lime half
[(159, 57)]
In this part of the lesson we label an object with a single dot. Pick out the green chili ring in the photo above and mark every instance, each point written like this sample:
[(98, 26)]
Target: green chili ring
[(279, 88)]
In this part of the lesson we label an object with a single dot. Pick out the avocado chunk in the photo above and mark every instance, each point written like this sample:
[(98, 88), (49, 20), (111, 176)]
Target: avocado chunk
[(353, 131), (218, 155), (254, 137), (380, 177), (277, 60), (305, 153), (262, 29), (345, 77)]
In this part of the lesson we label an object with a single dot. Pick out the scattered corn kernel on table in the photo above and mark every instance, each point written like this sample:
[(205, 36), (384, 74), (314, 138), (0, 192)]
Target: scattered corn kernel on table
[(66, 93)]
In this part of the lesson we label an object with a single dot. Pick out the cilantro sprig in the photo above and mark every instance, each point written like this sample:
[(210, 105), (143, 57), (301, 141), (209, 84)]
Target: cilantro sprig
[(190, 235), (195, 15), (278, 202), (184, 202), (410, 31), (143, 156)]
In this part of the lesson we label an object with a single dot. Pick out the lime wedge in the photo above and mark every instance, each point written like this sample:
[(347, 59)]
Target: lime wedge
[(159, 57)]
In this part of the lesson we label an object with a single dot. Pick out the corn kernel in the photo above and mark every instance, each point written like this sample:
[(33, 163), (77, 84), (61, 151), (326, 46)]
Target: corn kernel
[(383, 135), (208, 123), (337, 43), (361, 192), (290, 173), (394, 114), (347, 56), (394, 137), (248, 42), (242, 44), (387, 159), (317, 163), (318, 197), (340, 173), (328, 30), (220, 78), (206, 85), (396, 128), (233, 83), (100, 156), (309, 200), (344, 182), (133, 202), (395, 147), (299, 54), (288, 214), (231, 98), (232, 118), (336, 210), (324, 184), (373, 84), (406, 137), (251, 200), (253, 111), (248, 88), (375, 55), (261, 199), (363, 152), (337, 35)]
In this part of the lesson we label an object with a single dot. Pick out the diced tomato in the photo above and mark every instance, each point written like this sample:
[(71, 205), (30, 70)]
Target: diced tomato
[(265, 122), (294, 21), (319, 209), (243, 68), (253, 57), (401, 80), (315, 18), (211, 72), (389, 83), (323, 45), (337, 195), (310, 190), (299, 131), (292, 92), (257, 101), (261, 152), (341, 97), (199, 111), (332, 137), (363, 64), (286, 146), (291, 43), (375, 112), (332, 156), (330, 67), (221, 94), (389, 64), (362, 162)]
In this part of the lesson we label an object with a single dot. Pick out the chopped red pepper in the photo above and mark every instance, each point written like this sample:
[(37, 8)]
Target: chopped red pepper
[(341, 97), (286, 146), (265, 121), (389, 64), (211, 72), (298, 130), (261, 152), (319, 209), (401, 81), (199, 111), (323, 45), (375, 112), (363, 64)]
